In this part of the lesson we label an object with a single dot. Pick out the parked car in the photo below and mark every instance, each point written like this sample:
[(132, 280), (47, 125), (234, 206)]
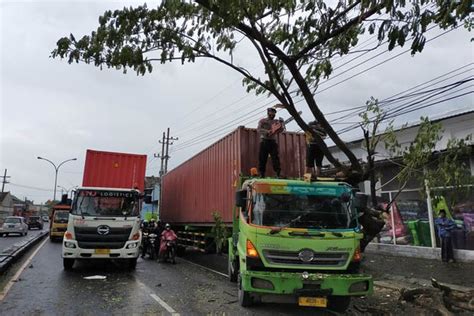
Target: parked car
[(35, 222), (14, 225)]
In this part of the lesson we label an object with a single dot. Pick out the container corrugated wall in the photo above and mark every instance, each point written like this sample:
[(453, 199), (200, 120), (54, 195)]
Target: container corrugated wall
[(114, 170), (207, 182)]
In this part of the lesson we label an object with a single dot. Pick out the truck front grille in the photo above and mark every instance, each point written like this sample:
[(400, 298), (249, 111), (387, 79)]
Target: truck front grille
[(319, 259), (89, 238)]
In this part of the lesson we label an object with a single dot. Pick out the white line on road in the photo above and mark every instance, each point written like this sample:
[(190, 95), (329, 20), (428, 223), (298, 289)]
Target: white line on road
[(158, 299), (14, 279), (205, 268), (163, 303)]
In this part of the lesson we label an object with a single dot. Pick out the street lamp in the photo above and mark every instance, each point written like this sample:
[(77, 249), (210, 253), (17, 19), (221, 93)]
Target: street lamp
[(56, 170), (67, 190)]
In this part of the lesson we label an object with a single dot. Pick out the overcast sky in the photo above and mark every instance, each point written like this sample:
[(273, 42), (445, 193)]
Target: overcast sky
[(55, 110)]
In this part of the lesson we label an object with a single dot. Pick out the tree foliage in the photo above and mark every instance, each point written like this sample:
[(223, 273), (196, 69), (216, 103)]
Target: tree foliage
[(219, 231), (447, 169), (294, 40)]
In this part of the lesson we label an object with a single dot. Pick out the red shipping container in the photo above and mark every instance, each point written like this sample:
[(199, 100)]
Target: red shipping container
[(207, 182), (114, 170)]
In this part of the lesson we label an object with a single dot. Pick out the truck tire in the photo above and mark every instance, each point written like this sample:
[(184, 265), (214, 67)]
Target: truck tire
[(245, 300), (132, 264), (68, 263), (339, 303), (231, 271)]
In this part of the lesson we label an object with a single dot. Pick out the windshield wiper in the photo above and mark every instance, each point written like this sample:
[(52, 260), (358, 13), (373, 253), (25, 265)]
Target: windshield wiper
[(294, 220)]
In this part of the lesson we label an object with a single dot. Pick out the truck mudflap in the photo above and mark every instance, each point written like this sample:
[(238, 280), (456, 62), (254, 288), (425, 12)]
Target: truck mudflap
[(307, 284)]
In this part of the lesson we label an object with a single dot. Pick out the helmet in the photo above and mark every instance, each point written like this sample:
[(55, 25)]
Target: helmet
[(167, 225), (153, 220)]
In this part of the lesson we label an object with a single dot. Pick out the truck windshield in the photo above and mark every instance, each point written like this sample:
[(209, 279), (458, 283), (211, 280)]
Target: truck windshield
[(61, 217), (105, 203), (302, 211)]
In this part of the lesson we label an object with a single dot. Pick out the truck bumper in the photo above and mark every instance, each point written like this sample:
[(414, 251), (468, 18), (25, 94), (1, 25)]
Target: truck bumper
[(71, 250), (307, 284)]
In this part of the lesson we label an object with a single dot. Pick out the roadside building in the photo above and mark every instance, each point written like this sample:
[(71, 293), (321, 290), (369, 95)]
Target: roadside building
[(6, 205), (410, 216)]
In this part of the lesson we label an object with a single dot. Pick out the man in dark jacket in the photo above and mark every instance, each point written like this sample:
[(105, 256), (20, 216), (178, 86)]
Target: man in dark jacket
[(314, 154), (268, 144), (445, 226)]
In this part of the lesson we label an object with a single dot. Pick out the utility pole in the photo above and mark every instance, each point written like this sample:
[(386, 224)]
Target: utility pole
[(164, 156), (168, 143), (4, 180)]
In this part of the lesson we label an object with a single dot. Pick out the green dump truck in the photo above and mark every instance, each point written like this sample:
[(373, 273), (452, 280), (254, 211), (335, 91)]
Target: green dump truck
[(295, 238)]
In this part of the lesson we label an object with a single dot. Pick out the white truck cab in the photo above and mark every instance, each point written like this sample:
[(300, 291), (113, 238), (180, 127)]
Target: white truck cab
[(104, 223)]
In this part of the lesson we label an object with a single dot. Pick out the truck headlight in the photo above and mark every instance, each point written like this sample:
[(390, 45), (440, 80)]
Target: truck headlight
[(69, 244), (132, 245)]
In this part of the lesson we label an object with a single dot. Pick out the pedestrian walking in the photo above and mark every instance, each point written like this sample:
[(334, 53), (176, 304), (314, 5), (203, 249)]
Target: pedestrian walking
[(268, 128), (445, 226)]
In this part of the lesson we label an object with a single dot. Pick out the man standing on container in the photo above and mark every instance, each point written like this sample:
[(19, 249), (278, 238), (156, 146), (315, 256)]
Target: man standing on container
[(445, 226), (313, 151), (268, 128)]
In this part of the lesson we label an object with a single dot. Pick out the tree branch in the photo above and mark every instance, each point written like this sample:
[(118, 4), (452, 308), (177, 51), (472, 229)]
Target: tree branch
[(338, 31)]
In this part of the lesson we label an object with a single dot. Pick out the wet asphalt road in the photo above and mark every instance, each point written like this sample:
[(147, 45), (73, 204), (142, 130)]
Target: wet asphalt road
[(10, 240), (44, 288)]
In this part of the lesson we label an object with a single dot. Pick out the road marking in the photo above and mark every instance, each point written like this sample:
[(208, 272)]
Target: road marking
[(163, 303), (205, 268), (14, 279), (158, 299)]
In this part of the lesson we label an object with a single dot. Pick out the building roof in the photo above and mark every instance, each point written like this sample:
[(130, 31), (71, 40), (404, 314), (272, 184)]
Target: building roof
[(3, 195)]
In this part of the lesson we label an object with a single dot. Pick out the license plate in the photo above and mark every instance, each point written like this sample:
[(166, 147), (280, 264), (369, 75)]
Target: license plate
[(313, 301), (102, 251)]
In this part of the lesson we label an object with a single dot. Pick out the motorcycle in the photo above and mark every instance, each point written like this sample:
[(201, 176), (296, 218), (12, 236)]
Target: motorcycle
[(168, 252), (151, 245)]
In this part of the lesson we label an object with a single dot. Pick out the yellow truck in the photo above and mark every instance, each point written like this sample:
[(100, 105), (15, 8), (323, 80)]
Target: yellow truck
[(59, 221)]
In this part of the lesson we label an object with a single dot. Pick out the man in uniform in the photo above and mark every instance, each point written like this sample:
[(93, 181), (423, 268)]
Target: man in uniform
[(268, 144)]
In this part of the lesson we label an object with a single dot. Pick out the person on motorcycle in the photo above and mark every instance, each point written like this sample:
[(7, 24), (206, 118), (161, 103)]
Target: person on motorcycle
[(167, 235), (145, 237)]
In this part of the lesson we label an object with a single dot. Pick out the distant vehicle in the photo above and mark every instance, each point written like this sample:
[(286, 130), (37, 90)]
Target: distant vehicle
[(14, 225), (59, 221), (35, 222), (45, 218)]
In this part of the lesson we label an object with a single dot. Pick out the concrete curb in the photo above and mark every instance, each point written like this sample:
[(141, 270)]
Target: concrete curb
[(418, 252), (417, 283), (12, 254)]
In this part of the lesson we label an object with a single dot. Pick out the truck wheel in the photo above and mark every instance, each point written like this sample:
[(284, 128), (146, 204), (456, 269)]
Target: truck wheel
[(132, 264), (245, 300), (68, 263), (231, 271), (339, 303)]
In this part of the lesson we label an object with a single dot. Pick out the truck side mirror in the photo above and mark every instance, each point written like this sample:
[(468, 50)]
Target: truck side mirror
[(360, 201), (241, 198)]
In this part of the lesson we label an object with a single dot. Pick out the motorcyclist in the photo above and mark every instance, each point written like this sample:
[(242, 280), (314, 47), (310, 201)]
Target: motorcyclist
[(167, 235), (145, 228)]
